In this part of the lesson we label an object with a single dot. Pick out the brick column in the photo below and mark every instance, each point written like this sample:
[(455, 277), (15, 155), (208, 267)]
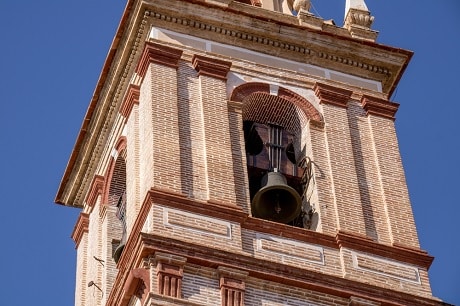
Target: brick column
[(169, 272), (397, 207), (80, 237), (339, 147), (159, 150), (212, 75), (232, 286), (130, 110)]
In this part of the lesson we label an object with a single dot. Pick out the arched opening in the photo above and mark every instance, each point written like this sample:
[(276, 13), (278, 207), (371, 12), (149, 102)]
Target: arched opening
[(116, 197), (276, 132)]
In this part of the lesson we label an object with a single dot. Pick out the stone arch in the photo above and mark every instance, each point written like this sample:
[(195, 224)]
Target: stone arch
[(262, 91), (116, 174)]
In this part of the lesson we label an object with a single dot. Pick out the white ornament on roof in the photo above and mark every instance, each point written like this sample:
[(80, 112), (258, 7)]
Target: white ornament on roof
[(358, 20)]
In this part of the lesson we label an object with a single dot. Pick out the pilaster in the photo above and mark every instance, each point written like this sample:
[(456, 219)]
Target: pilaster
[(392, 181), (212, 74), (158, 118), (344, 179)]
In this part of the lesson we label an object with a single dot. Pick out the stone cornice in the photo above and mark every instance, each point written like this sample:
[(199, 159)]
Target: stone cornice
[(352, 56), (379, 107), (211, 67), (81, 227), (328, 94), (148, 244), (397, 252), (131, 98), (159, 54), (144, 245), (96, 189), (101, 110)]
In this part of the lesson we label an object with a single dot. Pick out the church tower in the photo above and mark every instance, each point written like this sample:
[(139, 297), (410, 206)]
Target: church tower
[(244, 153)]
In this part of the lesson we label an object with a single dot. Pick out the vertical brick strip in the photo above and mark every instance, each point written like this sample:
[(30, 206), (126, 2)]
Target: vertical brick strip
[(348, 209), (158, 117), (132, 167), (219, 163), (80, 236), (397, 207)]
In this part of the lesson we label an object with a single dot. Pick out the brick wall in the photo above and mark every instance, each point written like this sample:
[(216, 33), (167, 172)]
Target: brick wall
[(186, 138)]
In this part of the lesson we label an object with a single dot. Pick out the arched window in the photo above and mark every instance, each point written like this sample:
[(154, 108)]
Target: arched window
[(276, 130), (117, 198)]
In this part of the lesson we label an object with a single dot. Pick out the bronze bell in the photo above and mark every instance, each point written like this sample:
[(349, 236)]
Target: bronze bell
[(276, 200), (117, 254)]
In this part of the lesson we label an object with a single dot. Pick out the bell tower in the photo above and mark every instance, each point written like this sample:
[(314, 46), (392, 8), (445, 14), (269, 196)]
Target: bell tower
[(244, 153)]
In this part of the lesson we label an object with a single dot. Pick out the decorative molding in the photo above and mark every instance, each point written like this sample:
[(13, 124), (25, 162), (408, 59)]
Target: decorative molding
[(399, 253), (385, 267), (328, 94), (358, 22), (275, 44), (204, 225), (277, 272), (81, 227), (212, 209), (211, 67), (138, 284), (287, 231), (96, 189), (232, 286), (142, 245), (295, 250), (159, 54), (131, 98), (241, 92), (170, 271), (379, 107)]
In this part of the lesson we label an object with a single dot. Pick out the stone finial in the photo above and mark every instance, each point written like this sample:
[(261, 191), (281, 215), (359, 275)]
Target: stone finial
[(358, 20), (302, 5)]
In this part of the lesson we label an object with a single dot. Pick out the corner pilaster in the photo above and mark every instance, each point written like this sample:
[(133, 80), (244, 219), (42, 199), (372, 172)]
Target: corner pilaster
[(343, 177), (212, 74)]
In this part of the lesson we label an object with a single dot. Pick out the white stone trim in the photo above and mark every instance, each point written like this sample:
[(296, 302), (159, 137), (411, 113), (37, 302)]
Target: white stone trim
[(167, 222), (257, 57), (287, 242)]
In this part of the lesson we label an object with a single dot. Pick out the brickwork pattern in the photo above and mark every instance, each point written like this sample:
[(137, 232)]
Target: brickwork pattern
[(81, 272), (133, 168), (370, 192), (191, 136), (186, 138), (219, 165), (393, 183), (346, 200)]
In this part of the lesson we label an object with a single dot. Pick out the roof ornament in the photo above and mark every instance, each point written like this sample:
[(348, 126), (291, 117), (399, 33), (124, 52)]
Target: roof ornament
[(306, 18), (303, 5), (358, 20)]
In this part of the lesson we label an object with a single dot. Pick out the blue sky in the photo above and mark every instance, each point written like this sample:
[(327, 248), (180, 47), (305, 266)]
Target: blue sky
[(51, 54)]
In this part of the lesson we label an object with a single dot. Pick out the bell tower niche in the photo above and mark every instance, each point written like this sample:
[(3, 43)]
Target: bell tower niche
[(244, 153)]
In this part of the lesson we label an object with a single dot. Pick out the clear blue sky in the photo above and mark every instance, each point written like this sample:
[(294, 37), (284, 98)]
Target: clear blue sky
[(51, 54)]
